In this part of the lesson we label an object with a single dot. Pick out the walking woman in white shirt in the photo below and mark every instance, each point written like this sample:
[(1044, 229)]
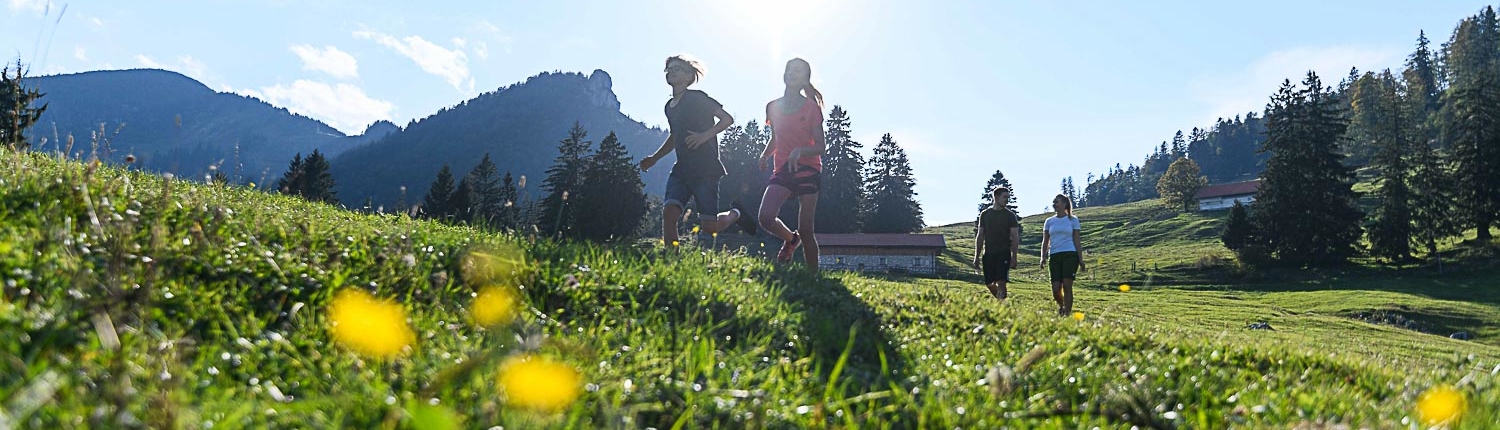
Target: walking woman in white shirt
[(1060, 245)]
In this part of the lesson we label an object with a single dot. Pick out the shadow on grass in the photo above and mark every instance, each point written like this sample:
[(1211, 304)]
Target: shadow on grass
[(830, 314)]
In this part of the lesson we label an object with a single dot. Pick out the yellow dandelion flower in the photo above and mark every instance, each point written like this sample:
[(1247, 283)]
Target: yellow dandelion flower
[(675, 243), (495, 305), (1078, 316), (1441, 404), (1124, 288), (695, 229), (372, 327), (539, 383)]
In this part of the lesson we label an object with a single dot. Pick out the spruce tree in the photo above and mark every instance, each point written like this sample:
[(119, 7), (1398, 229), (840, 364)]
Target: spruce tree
[(612, 202), (1180, 184), (438, 202), (16, 111), (461, 208), (564, 181), (892, 203), (317, 180), (997, 180), (509, 217), (1390, 228), (292, 182), (1305, 209), (1471, 120), (1238, 232), (485, 195), (842, 193)]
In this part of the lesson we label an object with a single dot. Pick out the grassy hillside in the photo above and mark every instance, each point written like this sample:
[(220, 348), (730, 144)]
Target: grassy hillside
[(134, 301)]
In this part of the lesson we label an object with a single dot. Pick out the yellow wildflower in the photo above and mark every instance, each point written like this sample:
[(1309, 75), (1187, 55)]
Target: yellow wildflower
[(495, 305), (538, 383), (1441, 404), (695, 229), (1124, 288), (373, 327), (1078, 316)]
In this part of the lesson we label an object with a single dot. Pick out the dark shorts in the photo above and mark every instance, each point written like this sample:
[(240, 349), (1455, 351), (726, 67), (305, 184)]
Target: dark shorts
[(996, 267), (1063, 265), (704, 191), (804, 181)]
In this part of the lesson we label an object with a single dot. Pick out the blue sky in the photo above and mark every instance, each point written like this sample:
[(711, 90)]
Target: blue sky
[(1038, 90)]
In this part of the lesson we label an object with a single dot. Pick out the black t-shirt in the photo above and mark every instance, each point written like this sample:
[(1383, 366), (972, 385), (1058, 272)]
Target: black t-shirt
[(694, 113), (996, 223)]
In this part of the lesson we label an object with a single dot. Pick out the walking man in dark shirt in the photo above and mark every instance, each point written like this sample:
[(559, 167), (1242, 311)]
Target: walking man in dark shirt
[(996, 241)]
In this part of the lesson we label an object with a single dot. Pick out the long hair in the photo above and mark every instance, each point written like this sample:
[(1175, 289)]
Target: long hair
[(1068, 204), (809, 90), (698, 69)]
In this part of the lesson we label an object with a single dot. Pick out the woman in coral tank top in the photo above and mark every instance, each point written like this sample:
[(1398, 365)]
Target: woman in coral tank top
[(796, 148)]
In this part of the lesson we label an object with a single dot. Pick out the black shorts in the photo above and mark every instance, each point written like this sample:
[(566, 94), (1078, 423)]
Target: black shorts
[(1063, 265), (805, 180), (704, 191), (996, 267)]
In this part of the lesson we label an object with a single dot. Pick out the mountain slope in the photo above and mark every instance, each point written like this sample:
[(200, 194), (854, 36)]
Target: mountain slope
[(172, 123), (519, 126)]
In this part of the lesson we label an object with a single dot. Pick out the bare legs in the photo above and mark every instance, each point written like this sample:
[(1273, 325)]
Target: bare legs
[(770, 204)]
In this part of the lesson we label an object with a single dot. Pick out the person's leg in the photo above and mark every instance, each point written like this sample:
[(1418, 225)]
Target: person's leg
[(677, 195), (1054, 268), (807, 213), (1067, 296), (1069, 263), (1057, 296), (707, 193), (770, 204), (669, 216)]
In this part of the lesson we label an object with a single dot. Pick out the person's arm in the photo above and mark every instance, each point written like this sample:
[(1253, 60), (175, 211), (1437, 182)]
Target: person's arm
[(725, 121), (820, 145), (1046, 243), (1079, 245), (978, 243), (666, 147), (765, 155), (1015, 245)]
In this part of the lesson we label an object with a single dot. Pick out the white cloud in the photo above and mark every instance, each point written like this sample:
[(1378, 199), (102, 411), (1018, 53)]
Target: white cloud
[(95, 22), (192, 67), (481, 50), (491, 32), (330, 60), (186, 65), (343, 106), (451, 65), (80, 54), (148, 62), (1250, 89), (41, 6)]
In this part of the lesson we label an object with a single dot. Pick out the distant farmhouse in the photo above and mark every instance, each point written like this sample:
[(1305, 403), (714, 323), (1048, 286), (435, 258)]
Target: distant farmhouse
[(1223, 196), (895, 252)]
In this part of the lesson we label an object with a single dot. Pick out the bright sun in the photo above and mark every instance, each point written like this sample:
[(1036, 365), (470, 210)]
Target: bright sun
[(781, 24)]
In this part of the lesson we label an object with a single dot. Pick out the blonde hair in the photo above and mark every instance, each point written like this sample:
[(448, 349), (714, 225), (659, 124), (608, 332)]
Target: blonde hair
[(698, 69), (808, 90), (1068, 210)]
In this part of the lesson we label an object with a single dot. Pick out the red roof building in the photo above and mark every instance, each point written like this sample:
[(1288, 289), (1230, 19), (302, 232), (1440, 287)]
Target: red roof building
[(1223, 196)]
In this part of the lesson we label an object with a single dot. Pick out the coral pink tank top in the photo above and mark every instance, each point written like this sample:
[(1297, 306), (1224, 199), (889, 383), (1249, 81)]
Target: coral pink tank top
[(795, 130)]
